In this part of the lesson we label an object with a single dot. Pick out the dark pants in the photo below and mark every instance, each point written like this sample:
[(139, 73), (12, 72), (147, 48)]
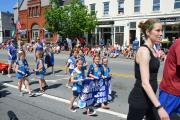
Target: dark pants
[(139, 113)]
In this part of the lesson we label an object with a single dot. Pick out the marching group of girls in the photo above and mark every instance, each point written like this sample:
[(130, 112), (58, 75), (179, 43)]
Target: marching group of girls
[(23, 71), (77, 65)]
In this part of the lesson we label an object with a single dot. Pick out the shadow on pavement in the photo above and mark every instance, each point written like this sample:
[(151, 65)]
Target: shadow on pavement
[(34, 82), (114, 95), (12, 115), (3, 93), (54, 86), (49, 73), (9, 81)]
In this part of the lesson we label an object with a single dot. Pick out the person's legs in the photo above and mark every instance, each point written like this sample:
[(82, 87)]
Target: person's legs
[(27, 85), (135, 113), (75, 95), (9, 67)]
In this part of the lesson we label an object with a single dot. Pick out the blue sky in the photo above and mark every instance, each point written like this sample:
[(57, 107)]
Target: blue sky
[(7, 5)]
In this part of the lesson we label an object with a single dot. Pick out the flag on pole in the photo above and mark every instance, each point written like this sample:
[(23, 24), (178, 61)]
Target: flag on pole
[(18, 25)]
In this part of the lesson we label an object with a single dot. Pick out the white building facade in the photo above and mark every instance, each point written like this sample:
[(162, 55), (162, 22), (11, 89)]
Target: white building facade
[(7, 26), (119, 19)]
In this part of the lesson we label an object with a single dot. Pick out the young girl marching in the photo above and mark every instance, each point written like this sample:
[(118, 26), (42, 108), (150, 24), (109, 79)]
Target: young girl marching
[(107, 76), (71, 64), (40, 71), (96, 72), (76, 78), (22, 72)]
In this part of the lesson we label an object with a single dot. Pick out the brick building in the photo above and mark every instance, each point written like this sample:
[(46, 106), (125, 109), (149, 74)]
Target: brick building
[(31, 14)]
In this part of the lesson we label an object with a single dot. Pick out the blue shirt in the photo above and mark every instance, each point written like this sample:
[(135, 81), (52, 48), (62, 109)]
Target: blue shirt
[(43, 71), (96, 70), (22, 66), (39, 47), (13, 52), (77, 75)]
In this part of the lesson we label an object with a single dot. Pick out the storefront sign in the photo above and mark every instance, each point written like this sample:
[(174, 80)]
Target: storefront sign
[(171, 19), (105, 22)]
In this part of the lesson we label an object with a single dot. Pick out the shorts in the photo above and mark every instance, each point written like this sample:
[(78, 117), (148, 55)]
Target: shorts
[(11, 61), (75, 93), (40, 76), (170, 102)]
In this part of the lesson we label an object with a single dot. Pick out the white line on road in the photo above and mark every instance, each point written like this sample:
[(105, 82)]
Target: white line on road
[(121, 115), (61, 75)]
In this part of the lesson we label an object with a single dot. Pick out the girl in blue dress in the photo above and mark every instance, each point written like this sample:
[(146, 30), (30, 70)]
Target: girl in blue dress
[(76, 79), (40, 71), (107, 76), (22, 73), (96, 71)]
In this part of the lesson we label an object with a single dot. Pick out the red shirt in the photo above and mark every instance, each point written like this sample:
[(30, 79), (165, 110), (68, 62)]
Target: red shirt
[(170, 82)]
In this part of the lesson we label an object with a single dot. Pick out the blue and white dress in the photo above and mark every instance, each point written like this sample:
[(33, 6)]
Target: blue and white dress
[(22, 66), (77, 75), (40, 74)]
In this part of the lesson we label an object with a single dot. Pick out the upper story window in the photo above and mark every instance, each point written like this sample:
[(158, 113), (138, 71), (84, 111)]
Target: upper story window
[(106, 8), (176, 4), (137, 5), (121, 7), (93, 8), (82, 1), (34, 11), (156, 5)]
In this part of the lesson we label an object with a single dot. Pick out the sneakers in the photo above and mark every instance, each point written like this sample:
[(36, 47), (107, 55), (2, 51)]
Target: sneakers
[(9, 76), (72, 109), (31, 94), (91, 112), (68, 86), (105, 107)]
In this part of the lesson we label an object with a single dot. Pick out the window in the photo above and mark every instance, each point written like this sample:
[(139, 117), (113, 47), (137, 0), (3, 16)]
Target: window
[(119, 35), (7, 33), (82, 1), (34, 11), (133, 25), (106, 8), (137, 5), (156, 5), (177, 4), (48, 35), (120, 6), (92, 7)]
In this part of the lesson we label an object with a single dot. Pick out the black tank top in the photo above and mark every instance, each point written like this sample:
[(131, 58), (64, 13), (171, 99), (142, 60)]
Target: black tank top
[(138, 97)]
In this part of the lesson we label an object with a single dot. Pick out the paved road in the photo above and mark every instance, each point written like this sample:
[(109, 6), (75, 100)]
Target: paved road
[(54, 104)]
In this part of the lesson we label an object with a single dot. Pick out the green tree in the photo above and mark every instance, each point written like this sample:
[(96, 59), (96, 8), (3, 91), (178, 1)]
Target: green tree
[(70, 20)]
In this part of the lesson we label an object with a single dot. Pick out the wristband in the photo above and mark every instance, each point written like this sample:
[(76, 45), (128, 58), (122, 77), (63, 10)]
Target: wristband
[(158, 107)]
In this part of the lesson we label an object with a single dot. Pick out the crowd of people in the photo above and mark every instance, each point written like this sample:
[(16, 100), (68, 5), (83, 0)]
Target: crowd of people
[(97, 83)]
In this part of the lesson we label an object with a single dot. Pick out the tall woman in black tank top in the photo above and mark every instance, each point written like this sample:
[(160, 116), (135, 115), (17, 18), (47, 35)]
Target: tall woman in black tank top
[(142, 98)]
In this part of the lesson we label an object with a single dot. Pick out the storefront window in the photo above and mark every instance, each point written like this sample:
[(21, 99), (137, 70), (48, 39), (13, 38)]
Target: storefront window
[(7, 33), (119, 35), (48, 35), (132, 24)]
